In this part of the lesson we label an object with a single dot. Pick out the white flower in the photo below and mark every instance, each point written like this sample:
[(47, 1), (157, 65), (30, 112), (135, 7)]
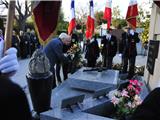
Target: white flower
[(138, 100), (115, 100), (129, 104)]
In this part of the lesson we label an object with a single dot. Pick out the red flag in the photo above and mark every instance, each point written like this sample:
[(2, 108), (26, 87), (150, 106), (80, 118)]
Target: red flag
[(72, 23), (108, 13), (132, 13), (45, 15), (90, 22)]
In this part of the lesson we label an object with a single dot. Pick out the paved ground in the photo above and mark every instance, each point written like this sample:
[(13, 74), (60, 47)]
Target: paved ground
[(20, 76)]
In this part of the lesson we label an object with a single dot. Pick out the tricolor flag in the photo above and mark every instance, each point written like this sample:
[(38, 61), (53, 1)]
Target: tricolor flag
[(132, 13), (90, 22), (108, 13), (45, 16), (72, 23)]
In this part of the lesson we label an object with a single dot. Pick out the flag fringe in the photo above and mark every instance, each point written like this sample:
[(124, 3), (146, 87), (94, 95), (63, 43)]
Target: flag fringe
[(39, 37)]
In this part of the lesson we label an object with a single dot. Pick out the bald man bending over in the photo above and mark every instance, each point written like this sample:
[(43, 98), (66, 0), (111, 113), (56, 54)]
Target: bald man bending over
[(54, 52)]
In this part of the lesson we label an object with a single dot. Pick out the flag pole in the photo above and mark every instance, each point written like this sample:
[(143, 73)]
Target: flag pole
[(9, 25)]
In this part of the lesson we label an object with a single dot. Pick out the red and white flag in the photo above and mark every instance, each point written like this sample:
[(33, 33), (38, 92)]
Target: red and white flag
[(72, 23), (132, 13), (90, 22), (108, 13), (45, 16)]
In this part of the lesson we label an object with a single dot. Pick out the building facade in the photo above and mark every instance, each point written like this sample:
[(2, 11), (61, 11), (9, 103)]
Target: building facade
[(153, 80)]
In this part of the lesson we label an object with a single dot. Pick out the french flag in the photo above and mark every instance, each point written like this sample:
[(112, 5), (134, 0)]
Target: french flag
[(108, 13), (90, 22), (132, 13), (72, 23)]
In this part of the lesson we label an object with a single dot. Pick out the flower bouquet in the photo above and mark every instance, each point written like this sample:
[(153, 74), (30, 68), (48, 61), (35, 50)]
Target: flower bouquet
[(75, 52), (126, 100)]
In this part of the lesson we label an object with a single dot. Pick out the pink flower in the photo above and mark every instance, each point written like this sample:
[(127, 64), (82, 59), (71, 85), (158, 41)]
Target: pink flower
[(137, 90), (140, 84), (115, 100), (124, 93), (130, 87), (134, 82)]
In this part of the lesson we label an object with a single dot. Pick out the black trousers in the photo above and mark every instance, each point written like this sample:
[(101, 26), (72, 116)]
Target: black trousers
[(65, 70), (149, 109), (107, 61), (131, 61), (91, 62), (54, 78), (58, 69)]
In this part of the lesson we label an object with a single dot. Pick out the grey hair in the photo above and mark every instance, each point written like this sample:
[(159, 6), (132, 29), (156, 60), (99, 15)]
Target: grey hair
[(63, 36)]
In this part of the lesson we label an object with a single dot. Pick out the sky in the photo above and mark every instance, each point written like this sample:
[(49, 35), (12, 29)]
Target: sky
[(100, 5)]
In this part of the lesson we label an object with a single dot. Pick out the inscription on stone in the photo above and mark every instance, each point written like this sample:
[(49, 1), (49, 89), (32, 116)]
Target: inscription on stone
[(152, 55)]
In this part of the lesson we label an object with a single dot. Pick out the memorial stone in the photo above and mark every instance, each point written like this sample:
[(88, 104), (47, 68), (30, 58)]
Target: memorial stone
[(89, 83), (152, 55)]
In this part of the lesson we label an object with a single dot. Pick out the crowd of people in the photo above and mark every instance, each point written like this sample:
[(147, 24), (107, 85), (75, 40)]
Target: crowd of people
[(57, 51), (109, 49), (25, 43)]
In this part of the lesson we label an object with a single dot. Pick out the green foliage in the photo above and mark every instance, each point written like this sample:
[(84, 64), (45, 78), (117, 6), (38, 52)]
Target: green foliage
[(143, 22), (117, 18), (119, 21), (15, 25), (116, 12), (62, 25), (145, 34), (30, 23), (98, 18)]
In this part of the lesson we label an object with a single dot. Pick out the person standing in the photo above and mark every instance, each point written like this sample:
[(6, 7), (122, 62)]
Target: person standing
[(23, 45), (13, 100), (109, 49), (15, 42), (54, 52), (129, 51), (92, 52)]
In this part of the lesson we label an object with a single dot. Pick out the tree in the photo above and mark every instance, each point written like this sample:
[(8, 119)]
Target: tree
[(99, 18), (116, 12), (62, 25), (117, 19), (143, 22), (81, 16), (23, 11)]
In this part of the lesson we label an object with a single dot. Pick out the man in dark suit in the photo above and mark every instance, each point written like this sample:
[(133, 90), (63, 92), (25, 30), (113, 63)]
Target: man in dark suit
[(129, 51), (92, 52), (109, 49)]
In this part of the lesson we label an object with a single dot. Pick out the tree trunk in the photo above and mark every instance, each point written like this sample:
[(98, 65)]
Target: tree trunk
[(22, 24)]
